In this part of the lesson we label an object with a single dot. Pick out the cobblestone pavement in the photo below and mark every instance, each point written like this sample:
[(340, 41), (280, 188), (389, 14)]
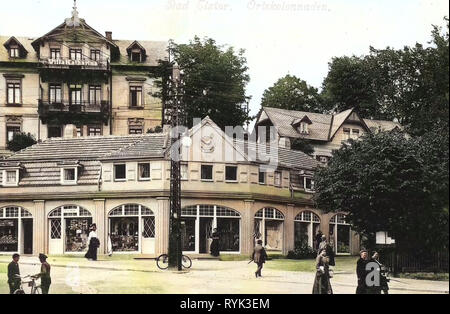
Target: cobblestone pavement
[(205, 277)]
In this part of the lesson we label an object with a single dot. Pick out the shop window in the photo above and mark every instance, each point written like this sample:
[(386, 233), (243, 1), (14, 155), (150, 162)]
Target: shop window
[(55, 53), (55, 93), (79, 131), (120, 172), (94, 130), (144, 172), (133, 130), (55, 229), (14, 93), (262, 177), (207, 173), (149, 227), (278, 178), (231, 173), (184, 172), (76, 54), (135, 96)]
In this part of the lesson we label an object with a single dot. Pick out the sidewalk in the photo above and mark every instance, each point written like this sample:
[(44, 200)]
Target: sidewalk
[(78, 275)]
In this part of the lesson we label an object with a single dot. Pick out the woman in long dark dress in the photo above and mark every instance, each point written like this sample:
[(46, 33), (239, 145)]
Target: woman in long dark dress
[(322, 284), (93, 243), (215, 246)]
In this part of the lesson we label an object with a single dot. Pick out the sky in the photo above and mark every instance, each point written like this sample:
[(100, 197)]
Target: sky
[(297, 37)]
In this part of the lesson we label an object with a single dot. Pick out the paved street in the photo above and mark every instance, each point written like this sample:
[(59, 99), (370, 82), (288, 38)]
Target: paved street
[(206, 276)]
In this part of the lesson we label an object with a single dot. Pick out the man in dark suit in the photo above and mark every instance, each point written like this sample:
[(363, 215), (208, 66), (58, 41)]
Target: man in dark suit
[(259, 257), (362, 273), (13, 273)]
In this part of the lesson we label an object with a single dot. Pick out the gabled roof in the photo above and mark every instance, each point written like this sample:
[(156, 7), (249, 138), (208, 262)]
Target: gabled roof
[(66, 30), (134, 45), (323, 127), (8, 43), (305, 119)]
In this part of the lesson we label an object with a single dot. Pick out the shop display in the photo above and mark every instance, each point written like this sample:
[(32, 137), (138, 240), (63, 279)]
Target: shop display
[(125, 234), (8, 236), (77, 233)]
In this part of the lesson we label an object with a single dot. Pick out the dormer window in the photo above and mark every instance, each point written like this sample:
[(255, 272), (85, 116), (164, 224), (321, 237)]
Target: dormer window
[(304, 129), (302, 125), (136, 52), (15, 48), (69, 175), (14, 52), (10, 174)]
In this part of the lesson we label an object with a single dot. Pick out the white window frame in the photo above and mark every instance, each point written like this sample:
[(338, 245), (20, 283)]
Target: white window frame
[(312, 184), (63, 178), (5, 181), (304, 129), (280, 173), (265, 177), (14, 52), (187, 172), (114, 170), (150, 171)]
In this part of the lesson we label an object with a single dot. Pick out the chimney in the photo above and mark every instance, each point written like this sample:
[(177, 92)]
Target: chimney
[(109, 36)]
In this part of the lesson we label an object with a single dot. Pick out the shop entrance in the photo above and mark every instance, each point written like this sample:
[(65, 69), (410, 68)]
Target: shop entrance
[(199, 221), (269, 227), (27, 227), (206, 226), (69, 230), (307, 225)]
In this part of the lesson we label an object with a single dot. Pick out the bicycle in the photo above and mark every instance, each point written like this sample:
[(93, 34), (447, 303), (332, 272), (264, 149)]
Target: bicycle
[(35, 289), (163, 262)]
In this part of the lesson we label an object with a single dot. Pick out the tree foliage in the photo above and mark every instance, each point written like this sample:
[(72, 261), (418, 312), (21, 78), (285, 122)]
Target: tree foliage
[(409, 84), (387, 182), (21, 141), (215, 80), (292, 93)]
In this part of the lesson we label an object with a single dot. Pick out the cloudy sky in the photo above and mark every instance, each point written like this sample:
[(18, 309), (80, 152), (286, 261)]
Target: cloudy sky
[(298, 37)]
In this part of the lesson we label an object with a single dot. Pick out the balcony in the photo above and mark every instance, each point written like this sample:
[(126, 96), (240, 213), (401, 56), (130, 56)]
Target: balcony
[(76, 71), (67, 112)]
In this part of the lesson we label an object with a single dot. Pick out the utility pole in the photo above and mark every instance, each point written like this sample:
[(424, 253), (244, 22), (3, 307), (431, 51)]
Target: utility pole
[(176, 115)]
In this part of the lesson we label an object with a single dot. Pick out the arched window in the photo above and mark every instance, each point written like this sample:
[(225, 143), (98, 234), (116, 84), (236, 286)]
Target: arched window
[(16, 228), (269, 228), (341, 234), (307, 216), (209, 217), (69, 224), (270, 213), (128, 223)]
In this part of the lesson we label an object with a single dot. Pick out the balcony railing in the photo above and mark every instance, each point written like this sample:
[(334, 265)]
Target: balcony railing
[(68, 112), (83, 64)]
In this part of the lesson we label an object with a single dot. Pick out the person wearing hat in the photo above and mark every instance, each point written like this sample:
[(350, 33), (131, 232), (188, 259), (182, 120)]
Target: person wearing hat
[(361, 272), (322, 284), (259, 256), (14, 274), (46, 280), (93, 243), (324, 245)]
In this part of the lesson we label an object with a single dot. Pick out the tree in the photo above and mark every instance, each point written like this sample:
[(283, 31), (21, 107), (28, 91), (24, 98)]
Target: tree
[(302, 145), (387, 182), (292, 93), (349, 84), (21, 141), (409, 85), (215, 79)]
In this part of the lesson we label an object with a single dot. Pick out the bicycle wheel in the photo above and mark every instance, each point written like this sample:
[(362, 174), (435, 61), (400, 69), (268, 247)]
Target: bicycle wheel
[(37, 290), (186, 262), (163, 262), (19, 291)]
